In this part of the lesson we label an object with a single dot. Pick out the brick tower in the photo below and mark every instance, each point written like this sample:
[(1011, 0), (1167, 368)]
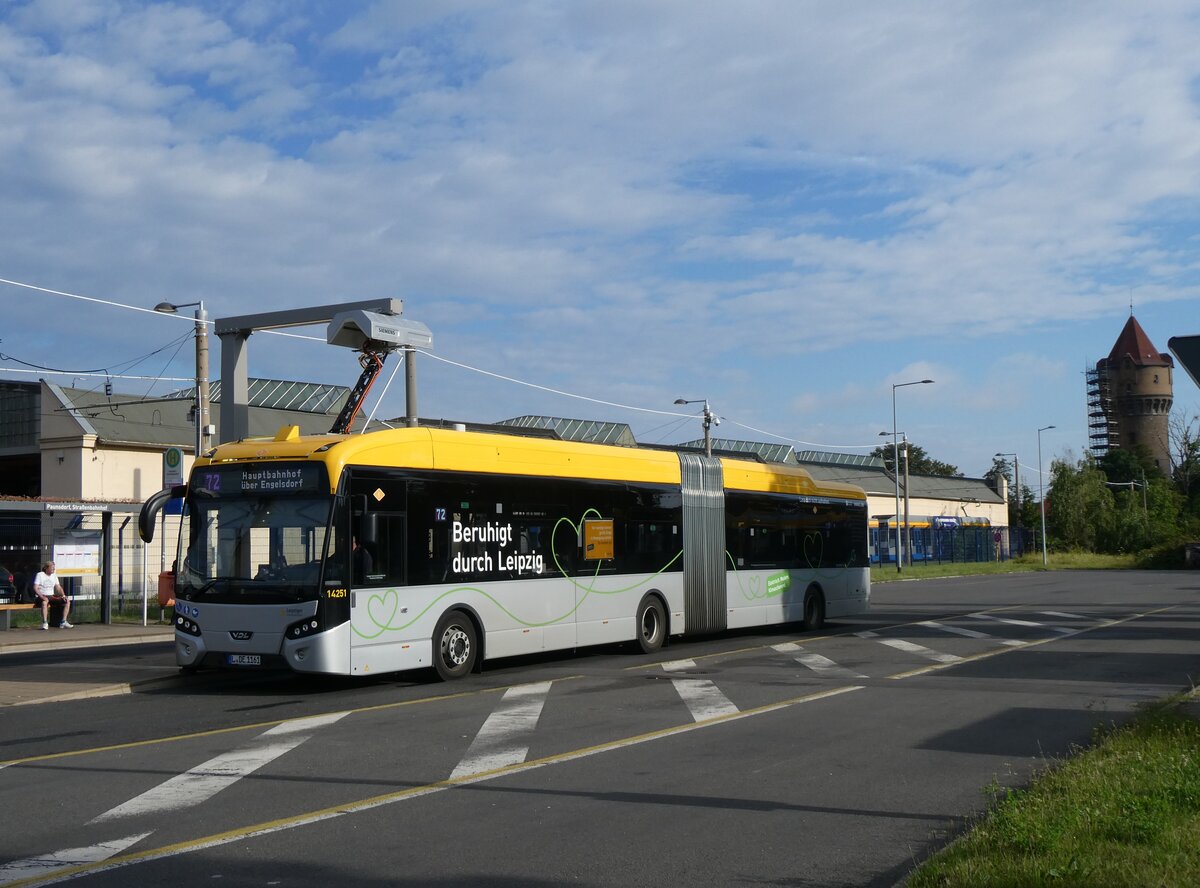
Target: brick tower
[(1137, 394)]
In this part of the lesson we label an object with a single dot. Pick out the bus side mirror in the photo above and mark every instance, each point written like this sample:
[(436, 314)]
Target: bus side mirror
[(153, 506)]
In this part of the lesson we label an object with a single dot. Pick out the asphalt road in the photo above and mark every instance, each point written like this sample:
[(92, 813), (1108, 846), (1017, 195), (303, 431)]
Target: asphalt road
[(761, 758)]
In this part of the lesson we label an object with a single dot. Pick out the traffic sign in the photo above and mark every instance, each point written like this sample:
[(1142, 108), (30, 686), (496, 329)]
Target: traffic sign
[(172, 466)]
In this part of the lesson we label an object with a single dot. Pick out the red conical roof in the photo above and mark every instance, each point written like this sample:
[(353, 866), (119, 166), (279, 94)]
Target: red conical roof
[(1134, 342)]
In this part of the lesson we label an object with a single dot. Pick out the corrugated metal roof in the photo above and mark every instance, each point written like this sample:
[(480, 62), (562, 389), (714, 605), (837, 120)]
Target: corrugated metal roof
[(827, 458), (166, 422), (587, 430), (776, 453), (281, 394), (880, 482)]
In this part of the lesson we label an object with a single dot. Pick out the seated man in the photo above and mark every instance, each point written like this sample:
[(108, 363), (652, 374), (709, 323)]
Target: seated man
[(47, 588)]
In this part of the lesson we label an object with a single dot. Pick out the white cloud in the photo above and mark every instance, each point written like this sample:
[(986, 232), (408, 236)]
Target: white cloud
[(767, 203)]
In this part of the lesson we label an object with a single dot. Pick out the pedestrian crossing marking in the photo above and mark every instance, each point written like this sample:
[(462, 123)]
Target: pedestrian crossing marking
[(909, 647), (503, 739), (817, 663), (971, 633), (205, 780), (48, 865)]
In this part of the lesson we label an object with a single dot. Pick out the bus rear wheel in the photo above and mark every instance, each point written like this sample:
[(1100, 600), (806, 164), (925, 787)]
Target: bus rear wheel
[(455, 646), (651, 624), (814, 610)]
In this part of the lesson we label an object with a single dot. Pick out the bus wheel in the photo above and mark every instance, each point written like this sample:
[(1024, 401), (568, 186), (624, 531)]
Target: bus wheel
[(814, 609), (651, 624), (455, 646)]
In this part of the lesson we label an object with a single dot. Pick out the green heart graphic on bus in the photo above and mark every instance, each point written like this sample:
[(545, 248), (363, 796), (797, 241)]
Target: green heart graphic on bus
[(814, 549), (382, 608)]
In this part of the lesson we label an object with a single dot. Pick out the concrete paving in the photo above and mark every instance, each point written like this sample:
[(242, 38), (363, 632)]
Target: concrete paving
[(44, 679)]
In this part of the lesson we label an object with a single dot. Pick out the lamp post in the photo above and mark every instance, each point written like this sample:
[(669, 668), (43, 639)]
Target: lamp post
[(896, 464), (201, 366), (710, 419), (902, 527), (1041, 494), (1016, 490)]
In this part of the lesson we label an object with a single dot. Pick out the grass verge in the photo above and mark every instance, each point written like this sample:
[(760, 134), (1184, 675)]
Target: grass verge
[(1124, 812), (1057, 561)]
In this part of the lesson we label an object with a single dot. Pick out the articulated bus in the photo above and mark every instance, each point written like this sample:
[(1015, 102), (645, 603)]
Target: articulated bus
[(422, 547)]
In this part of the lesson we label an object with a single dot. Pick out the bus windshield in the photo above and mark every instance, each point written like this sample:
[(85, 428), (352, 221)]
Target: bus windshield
[(254, 549)]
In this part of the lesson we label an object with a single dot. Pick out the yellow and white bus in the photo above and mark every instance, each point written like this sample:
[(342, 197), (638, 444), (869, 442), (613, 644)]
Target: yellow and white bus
[(424, 547)]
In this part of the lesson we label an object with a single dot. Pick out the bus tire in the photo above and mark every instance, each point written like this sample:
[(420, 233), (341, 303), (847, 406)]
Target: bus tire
[(814, 609), (651, 624), (455, 645)]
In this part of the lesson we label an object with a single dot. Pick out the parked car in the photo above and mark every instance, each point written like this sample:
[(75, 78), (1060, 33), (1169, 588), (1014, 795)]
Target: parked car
[(8, 589)]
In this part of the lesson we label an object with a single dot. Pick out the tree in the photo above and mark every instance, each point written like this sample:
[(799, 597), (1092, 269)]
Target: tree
[(1090, 510), (919, 462), (1123, 465), (1184, 433), (1080, 506)]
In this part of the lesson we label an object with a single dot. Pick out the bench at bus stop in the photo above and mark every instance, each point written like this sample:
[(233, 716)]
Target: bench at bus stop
[(6, 610)]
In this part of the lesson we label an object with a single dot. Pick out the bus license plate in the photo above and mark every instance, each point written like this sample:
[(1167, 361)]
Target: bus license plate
[(243, 659)]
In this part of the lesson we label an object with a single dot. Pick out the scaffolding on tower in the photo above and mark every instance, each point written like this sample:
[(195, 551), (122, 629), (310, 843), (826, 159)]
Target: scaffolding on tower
[(1102, 415)]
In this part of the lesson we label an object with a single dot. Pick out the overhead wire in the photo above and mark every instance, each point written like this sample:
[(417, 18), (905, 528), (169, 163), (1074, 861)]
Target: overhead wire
[(499, 376)]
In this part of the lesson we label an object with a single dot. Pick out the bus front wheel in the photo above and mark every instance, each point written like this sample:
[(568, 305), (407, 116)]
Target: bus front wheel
[(651, 624), (455, 646)]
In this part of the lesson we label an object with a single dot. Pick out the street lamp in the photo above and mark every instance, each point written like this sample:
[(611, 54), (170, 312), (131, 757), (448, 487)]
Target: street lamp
[(1016, 491), (1041, 494), (896, 463), (905, 525), (201, 366), (710, 419)]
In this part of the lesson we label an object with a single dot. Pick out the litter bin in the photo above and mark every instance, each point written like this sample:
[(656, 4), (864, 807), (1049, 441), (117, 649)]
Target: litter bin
[(166, 589)]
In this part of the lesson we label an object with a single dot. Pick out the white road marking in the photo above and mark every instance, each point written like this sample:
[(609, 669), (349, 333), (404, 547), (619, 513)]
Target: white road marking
[(867, 633), (817, 663), (1065, 616), (504, 738), (47, 864), (1009, 620), (678, 665), (909, 647), (971, 633), (1061, 630), (703, 698), (968, 633), (204, 781)]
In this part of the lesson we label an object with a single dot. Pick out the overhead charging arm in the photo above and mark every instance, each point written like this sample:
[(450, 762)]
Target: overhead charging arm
[(371, 360), (373, 335)]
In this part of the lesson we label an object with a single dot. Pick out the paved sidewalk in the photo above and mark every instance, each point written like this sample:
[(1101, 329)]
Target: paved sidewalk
[(59, 678)]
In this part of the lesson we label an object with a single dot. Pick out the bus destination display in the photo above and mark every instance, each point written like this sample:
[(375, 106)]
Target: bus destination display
[(271, 478)]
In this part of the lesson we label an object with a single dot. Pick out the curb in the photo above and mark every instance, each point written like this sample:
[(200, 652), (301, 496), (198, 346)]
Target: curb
[(39, 647), (112, 690)]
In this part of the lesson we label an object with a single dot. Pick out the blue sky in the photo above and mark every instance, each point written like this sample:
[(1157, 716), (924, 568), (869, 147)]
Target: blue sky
[(783, 207)]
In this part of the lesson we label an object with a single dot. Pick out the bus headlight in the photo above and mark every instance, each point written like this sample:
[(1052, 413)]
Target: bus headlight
[(186, 625), (303, 629)]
